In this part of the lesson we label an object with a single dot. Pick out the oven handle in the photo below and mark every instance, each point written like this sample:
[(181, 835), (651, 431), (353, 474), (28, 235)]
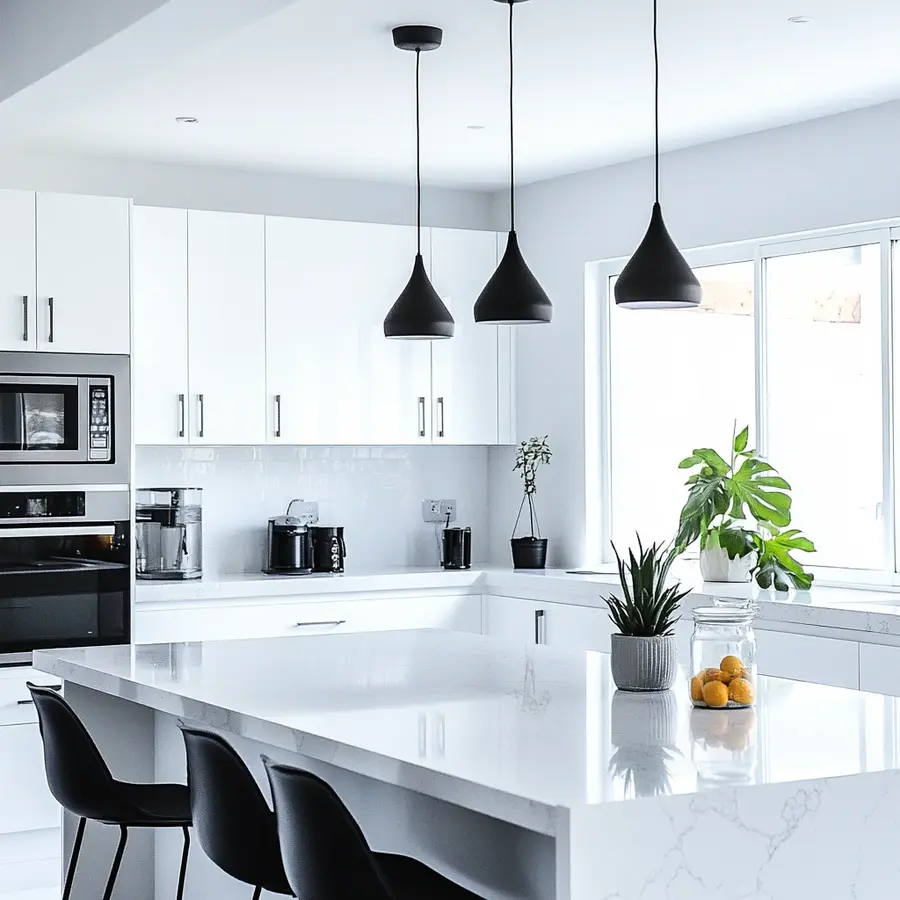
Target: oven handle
[(37, 531)]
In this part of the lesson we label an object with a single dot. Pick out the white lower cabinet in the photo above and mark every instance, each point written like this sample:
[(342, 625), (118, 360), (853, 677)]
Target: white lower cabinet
[(536, 622), (25, 800), (212, 622), (803, 657), (879, 669)]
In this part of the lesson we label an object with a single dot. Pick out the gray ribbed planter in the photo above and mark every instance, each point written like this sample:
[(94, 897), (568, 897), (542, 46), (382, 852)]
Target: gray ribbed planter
[(644, 663)]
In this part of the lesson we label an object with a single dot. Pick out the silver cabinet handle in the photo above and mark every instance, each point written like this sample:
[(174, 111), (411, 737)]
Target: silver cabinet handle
[(421, 417), (278, 415), (25, 318), (181, 415), (332, 622), (539, 622), (440, 406), (200, 415), (50, 307)]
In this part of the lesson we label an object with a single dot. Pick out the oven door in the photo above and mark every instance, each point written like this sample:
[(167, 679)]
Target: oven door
[(43, 419), (64, 586)]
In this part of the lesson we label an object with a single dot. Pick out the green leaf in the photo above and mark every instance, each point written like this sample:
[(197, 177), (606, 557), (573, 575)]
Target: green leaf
[(689, 462), (713, 460), (740, 442)]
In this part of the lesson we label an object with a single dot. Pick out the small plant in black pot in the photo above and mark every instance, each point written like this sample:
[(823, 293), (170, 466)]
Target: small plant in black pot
[(644, 654), (530, 551)]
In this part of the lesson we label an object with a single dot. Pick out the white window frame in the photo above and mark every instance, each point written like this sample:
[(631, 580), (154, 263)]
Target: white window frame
[(598, 383)]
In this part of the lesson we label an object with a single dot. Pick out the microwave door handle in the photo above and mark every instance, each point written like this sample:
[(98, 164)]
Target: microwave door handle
[(20, 425)]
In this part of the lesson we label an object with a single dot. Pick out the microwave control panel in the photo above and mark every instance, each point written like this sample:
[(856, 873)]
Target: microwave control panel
[(100, 444)]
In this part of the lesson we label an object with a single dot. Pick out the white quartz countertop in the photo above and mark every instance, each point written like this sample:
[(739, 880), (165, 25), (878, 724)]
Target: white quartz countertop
[(851, 609), (512, 731)]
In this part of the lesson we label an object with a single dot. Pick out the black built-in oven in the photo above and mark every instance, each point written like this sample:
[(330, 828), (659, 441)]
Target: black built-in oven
[(65, 569)]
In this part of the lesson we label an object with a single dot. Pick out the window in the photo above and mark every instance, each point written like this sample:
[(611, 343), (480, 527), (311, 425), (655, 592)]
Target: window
[(794, 339), (679, 379)]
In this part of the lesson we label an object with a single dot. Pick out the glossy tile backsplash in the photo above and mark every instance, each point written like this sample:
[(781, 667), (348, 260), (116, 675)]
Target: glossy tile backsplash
[(375, 492)]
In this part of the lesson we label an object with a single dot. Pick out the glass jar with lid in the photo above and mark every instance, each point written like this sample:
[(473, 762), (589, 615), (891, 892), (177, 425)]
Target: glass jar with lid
[(723, 658)]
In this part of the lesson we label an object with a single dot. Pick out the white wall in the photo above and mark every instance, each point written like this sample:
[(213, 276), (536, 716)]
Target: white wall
[(375, 492), (839, 170), (234, 190)]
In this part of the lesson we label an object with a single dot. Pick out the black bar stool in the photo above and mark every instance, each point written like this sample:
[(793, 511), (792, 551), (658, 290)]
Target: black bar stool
[(81, 782), (233, 822), (326, 856)]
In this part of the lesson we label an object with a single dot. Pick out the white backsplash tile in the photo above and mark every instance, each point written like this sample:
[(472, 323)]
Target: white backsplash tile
[(375, 492)]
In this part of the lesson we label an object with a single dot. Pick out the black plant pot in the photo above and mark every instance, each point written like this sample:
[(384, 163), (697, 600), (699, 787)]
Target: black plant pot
[(529, 552)]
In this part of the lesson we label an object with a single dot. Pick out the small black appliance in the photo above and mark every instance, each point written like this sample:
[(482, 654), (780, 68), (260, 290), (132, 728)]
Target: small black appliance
[(328, 549), (288, 547), (457, 548)]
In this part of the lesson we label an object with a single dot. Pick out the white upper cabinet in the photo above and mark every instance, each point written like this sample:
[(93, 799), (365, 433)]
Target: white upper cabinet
[(83, 274), (160, 347), (331, 376), (464, 407), (227, 328), (18, 329)]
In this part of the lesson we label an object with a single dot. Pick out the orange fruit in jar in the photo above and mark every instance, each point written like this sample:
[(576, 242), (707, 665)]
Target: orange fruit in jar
[(697, 688), (715, 694), (732, 666), (716, 675), (745, 674), (741, 691)]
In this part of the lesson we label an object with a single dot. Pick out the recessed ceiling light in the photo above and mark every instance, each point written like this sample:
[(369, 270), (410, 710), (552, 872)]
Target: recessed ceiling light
[(186, 120), (475, 127), (800, 20)]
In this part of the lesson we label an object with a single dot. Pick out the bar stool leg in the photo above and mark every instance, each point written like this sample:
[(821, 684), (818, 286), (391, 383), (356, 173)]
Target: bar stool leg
[(114, 871), (184, 859), (257, 891), (73, 861)]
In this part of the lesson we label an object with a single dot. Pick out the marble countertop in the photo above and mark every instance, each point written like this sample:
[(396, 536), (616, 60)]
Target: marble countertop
[(850, 609), (512, 731)]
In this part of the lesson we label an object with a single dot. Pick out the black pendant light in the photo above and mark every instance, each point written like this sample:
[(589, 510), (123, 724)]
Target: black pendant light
[(513, 295), (657, 276), (419, 313)]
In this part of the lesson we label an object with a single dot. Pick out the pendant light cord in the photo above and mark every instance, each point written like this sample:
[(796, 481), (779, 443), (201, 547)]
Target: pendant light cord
[(512, 131), (656, 92), (418, 158)]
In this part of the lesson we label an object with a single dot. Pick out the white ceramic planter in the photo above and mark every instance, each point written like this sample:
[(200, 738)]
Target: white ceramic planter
[(716, 566)]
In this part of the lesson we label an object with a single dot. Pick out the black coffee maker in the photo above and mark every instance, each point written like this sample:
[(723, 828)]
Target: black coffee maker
[(457, 548), (328, 549), (288, 547)]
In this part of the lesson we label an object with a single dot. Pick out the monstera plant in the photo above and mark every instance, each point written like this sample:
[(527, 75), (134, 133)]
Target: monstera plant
[(739, 509)]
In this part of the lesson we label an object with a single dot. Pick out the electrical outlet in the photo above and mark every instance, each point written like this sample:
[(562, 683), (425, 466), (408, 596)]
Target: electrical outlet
[(438, 512)]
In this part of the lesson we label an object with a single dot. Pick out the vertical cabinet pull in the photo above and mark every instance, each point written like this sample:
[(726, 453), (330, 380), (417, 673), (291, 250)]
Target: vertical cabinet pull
[(50, 307), (199, 415), (421, 417), (25, 318), (181, 415), (539, 621), (278, 415), (440, 408)]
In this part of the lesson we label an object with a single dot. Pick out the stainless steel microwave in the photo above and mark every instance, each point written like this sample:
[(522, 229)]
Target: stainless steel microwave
[(64, 419)]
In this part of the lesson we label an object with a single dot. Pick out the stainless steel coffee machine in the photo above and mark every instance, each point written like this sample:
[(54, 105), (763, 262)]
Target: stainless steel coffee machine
[(169, 530)]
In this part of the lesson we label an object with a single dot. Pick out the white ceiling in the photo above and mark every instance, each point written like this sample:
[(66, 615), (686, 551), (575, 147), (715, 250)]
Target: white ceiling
[(318, 87)]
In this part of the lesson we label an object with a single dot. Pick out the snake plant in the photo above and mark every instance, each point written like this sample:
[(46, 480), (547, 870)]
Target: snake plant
[(647, 608)]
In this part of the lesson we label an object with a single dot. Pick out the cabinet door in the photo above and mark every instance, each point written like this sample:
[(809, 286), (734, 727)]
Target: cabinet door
[(803, 657), (18, 302), (514, 620), (330, 370), (879, 669), (25, 800), (465, 369), (159, 360), (226, 328), (83, 274)]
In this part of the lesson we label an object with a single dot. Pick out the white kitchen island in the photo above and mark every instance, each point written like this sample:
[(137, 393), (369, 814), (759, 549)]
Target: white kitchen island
[(518, 771)]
